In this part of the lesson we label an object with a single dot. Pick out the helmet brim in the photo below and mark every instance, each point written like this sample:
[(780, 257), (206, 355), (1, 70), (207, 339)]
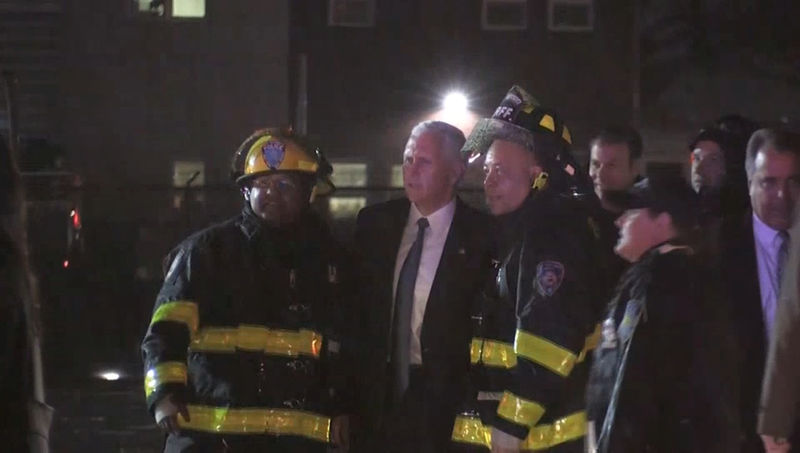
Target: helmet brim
[(323, 186), (487, 130)]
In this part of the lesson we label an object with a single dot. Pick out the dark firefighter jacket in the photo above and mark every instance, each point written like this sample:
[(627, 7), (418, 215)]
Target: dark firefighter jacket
[(534, 325), (247, 329), (651, 316)]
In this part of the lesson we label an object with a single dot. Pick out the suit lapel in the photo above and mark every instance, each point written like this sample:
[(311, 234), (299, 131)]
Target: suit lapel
[(450, 265), (754, 289), (392, 232), (754, 282), (747, 292)]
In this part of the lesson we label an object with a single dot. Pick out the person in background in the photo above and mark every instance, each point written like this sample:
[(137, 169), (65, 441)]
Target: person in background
[(735, 199), (717, 156), (753, 257), (615, 164), (708, 151)]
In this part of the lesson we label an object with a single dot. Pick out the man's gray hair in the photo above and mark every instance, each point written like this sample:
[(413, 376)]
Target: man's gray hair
[(451, 138), (776, 139)]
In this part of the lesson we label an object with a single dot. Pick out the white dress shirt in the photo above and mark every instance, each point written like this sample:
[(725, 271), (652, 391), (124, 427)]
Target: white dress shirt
[(768, 243), (432, 247)]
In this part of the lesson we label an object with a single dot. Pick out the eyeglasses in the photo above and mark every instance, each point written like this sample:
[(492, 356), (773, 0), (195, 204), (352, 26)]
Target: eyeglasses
[(280, 183)]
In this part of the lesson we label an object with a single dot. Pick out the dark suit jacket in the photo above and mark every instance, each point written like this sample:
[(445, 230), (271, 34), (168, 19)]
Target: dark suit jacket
[(446, 327), (740, 279)]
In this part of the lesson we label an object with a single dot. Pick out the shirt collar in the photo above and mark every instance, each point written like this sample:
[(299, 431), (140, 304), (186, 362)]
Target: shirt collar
[(438, 219), (765, 235)]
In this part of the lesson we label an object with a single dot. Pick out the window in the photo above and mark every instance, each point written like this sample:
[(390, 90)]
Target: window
[(156, 8), (185, 170), (345, 207), (351, 13), (189, 9), (570, 15), (397, 175), (349, 174), (504, 15)]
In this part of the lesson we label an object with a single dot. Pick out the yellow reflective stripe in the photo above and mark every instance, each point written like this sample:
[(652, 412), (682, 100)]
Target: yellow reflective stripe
[(475, 349), (547, 122), (256, 420), (472, 431), (215, 339), (256, 338), (562, 430), (544, 352), (591, 342), (519, 410), (178, 311), (566, 135), (164, 373), (492, 353)]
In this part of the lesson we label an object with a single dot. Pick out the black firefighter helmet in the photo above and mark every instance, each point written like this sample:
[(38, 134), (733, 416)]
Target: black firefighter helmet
[(521, 119)]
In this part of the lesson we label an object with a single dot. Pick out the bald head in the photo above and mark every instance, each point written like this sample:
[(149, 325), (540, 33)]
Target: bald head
[(510, 170)]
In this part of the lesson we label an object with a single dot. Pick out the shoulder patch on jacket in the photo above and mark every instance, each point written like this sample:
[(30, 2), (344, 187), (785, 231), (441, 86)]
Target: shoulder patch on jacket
[(549, 275)]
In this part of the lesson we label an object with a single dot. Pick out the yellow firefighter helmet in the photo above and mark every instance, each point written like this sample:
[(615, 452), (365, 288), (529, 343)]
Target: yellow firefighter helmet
[(276, 150)]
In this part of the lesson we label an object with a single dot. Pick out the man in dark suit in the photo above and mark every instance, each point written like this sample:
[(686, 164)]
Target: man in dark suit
[(422, 258), (753, 256)]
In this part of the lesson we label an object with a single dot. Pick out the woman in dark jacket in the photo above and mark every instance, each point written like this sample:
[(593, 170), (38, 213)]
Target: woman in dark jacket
[(645, 387)]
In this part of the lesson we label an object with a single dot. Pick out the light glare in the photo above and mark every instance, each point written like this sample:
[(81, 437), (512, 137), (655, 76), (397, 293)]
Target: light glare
[(110, 376), (455, 102)]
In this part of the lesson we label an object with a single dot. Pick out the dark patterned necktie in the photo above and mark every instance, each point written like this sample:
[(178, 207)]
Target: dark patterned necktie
[(404, 302)]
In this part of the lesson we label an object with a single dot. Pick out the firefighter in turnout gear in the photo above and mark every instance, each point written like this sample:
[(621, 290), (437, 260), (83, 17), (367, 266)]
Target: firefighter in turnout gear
[(535, 320), (245, 351)]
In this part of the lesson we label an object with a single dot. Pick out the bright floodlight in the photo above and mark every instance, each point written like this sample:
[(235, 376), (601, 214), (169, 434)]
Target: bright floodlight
[(455, 102), (110, 375)]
